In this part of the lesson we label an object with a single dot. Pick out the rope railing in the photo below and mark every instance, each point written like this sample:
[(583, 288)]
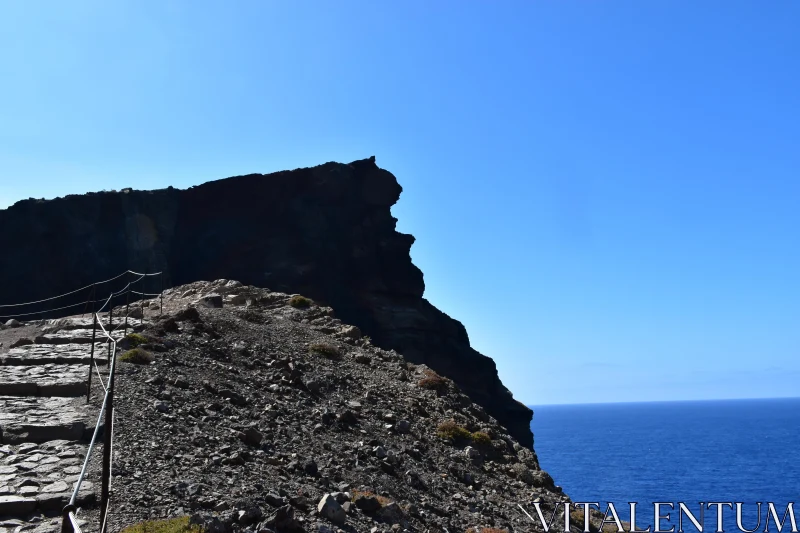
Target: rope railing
[(71, 292), (69, 522), (90, 299)]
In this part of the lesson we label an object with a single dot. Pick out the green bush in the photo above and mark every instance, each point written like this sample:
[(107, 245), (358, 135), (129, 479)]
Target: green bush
[(137, 356), (481, 438), (135, 339), (174, 525), (300, 302)]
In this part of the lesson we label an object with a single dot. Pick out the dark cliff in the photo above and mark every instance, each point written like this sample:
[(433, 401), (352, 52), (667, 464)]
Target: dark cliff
[(326, 232)]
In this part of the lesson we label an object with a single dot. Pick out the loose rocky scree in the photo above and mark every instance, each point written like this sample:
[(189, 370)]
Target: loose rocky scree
[(260, 415)]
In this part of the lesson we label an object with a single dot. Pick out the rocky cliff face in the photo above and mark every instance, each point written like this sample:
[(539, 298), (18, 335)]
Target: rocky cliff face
[(326, 232)]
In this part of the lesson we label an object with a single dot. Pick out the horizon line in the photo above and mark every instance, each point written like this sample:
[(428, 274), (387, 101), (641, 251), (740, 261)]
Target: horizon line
[(664, 401)]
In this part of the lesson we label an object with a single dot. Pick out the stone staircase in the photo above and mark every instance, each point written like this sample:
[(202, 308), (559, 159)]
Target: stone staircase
[(45, 424)]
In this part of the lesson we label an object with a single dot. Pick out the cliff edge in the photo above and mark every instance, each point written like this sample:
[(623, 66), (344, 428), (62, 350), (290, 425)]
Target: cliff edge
[(326, 232)]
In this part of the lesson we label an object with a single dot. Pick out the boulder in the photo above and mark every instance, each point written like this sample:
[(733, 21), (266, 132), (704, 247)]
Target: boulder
[(212, 300), (329, 508)]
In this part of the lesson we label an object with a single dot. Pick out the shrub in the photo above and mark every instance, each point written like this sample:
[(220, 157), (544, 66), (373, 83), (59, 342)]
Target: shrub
[(300, 302), (174, 525), (450, 430), (325, 349), (481, 438), (433, 381), (135, 339), (137, 356)]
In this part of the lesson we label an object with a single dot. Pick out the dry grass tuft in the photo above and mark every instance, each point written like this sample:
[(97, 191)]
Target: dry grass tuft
[(383, 500), (433, 381), (325, 349), (449, 429), (174, 525)]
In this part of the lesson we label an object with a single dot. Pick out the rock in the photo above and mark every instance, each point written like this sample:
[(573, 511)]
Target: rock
[(252, 436), (16, 505), (58, 486), (20, 342), (329, 508), (341, 497), (284, 520), (363, 359), (210, 300), (310, 467), (403, 426), (351, 332), (13, 323), (161, 406), (234, 397), (250, 514), (391, 513), (190, 313), (313, 385), (347, 417), (275, 500), (471, 452), (380, 452), (181, 382), (208, 524), (367, 503)]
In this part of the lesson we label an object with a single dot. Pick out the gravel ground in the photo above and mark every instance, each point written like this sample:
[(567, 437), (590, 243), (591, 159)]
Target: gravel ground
[(259, 416)]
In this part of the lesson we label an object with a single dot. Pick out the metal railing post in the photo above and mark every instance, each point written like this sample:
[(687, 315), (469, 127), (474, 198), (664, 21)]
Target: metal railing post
[(110, 328), (91, 356), (142, 300), (161, 295), (107, 432), (66, 522), (127, 307)]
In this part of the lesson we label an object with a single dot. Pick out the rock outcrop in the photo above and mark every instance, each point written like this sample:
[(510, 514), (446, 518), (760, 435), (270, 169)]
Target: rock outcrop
[(326, 232)]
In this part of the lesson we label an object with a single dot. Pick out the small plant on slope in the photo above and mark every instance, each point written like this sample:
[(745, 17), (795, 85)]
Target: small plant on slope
[(137, 356)]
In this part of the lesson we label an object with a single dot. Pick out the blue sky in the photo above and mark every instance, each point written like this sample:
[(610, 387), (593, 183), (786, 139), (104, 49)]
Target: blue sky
[(605, 193)]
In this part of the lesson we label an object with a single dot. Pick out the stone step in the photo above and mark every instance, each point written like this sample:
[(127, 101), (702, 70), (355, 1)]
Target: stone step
[(77, 323), (37, 420), (36, 478), (43, 380), (72, 336), (65, 354), (61, 324)]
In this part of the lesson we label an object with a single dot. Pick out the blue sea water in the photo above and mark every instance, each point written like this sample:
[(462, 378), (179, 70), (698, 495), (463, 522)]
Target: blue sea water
[(700, 451)]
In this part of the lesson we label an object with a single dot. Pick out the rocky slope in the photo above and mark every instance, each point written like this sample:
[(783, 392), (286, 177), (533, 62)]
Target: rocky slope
[(267, 414), (326, 232)]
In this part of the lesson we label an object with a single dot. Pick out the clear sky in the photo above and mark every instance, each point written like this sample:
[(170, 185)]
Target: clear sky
[(604, 192)]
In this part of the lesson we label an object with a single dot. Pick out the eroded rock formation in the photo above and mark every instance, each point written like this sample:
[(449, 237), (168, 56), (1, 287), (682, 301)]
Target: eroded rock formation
[(326, 232)]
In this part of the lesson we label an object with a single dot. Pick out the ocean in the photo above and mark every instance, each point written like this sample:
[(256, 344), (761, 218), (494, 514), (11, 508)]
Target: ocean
[(696, 451)]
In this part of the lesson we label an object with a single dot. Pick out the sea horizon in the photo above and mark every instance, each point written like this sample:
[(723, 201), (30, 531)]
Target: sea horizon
[(636, 402)]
